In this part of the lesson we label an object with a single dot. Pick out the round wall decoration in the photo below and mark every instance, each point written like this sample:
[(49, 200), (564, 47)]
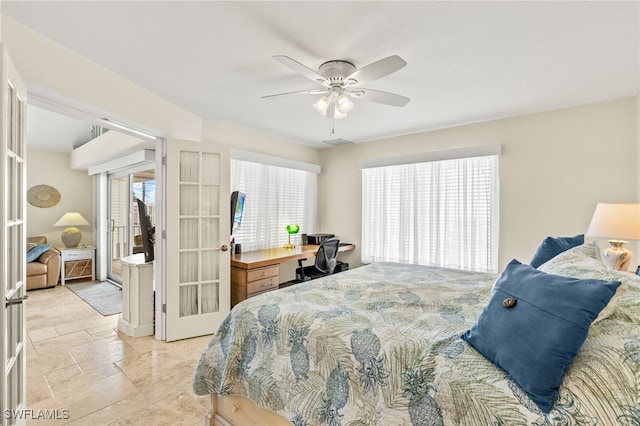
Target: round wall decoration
[(43, 196)]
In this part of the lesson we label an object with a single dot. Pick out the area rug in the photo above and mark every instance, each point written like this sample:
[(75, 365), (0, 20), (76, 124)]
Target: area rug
[(103, 296)]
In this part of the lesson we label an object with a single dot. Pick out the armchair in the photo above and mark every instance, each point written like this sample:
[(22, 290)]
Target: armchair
[(43, 272)]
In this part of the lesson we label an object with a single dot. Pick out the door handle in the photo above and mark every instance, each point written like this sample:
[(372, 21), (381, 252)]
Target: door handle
[(224, 247), (16, 301)]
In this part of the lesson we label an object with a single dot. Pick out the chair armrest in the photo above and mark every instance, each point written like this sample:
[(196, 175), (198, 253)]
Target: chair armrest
[(48, 255)]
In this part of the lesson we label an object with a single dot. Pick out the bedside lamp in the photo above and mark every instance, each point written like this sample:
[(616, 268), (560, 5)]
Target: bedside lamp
[(620, 222), (71, 236)]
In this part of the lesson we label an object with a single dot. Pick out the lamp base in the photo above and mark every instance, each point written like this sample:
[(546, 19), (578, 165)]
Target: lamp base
[(617, 257), (71, 237)]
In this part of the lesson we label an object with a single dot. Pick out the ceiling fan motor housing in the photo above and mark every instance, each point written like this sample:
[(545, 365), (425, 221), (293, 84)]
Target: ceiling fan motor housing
[(336, 71)]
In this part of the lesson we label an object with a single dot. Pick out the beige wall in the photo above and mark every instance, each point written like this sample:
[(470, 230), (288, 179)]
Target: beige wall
[(76, 190), (554, 168), (250, 140)]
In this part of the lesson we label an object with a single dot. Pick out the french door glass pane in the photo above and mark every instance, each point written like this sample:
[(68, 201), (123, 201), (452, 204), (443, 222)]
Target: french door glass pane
[(210, 298), (189, 166), (12, 201), (210, 265), (12, 140), (188, 233), (210, 165), (119, 207), (13, 260), (210, 200), (20, 191), (188, 300), (188, 267), (210, 233), (188, 200)]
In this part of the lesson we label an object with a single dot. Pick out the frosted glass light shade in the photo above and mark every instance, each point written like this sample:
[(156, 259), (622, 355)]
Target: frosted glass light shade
[(71, 236)]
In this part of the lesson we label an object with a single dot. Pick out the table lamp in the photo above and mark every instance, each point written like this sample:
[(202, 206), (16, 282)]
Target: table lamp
[(291, 229), (71, 236), (620, 222)]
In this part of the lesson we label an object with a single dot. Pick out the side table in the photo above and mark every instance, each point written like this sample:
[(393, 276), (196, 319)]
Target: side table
[(77, 262)]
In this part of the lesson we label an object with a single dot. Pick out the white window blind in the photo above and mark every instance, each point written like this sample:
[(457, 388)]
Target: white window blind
[(275, 197), (440, 213)]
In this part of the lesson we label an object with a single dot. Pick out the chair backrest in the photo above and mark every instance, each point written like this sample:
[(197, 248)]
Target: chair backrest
[(40, 239), (326, 258)]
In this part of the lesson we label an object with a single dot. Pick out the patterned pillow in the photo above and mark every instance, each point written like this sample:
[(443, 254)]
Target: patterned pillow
[(585, 262)]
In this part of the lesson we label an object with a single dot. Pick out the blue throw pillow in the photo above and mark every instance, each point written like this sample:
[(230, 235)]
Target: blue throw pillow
[(551, 247), (36, 251), (535, 324)]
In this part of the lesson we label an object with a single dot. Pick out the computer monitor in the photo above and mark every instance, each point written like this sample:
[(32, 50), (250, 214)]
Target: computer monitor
[(237, 209), (148, 231)]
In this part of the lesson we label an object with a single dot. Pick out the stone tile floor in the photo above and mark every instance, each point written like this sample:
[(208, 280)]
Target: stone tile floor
[(79, 362)]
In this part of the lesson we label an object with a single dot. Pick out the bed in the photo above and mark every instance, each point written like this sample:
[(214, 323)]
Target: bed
[(381, 345)]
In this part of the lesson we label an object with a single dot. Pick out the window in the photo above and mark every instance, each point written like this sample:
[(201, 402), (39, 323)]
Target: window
[(276, 196), (439, 213)]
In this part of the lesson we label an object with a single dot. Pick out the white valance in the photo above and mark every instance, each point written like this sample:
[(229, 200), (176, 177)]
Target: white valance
[(272, 160), (425, 157)]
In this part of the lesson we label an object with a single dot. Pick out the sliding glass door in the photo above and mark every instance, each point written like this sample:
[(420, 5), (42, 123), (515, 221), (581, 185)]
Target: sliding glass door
[(125, 236)]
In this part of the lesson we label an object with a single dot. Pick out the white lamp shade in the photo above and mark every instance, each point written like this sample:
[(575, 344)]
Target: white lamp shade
[(72, 219), (619, 221)]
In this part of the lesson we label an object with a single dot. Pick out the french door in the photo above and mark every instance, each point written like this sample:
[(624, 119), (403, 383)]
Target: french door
[(197, 285), (124, 222), (12, 244)]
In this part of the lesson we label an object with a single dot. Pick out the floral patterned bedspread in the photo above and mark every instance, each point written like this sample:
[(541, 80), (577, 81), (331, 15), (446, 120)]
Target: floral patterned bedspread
[(379, 345)]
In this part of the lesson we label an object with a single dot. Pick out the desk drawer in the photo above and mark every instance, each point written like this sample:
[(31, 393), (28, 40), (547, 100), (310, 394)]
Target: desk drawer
[(78, 254), (261, 273), (262, 285)]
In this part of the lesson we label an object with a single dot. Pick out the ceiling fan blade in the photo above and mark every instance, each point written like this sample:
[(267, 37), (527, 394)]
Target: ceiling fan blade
[(384, 97), (299, 68), (377, 69), (300, 92)]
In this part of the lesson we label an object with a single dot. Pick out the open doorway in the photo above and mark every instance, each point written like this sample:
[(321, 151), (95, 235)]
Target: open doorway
[(124, 233)]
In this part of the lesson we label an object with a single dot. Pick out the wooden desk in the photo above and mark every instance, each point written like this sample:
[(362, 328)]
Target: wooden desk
[(256, 272)]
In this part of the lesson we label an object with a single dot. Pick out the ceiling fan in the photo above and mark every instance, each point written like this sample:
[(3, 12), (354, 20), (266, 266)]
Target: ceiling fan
[(341, 80)]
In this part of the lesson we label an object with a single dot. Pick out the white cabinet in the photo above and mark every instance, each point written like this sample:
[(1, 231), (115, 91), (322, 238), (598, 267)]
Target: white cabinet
[(137, 297), (77, 263)]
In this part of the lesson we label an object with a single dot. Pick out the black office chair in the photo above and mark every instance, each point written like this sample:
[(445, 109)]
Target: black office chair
[(325, 262)]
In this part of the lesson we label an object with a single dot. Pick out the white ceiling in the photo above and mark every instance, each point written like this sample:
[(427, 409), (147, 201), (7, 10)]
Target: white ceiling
[(467, 61)]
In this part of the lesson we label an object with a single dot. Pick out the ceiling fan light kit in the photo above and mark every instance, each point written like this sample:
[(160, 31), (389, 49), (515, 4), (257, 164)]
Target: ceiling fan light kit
[(337, 105), (341, 81)]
